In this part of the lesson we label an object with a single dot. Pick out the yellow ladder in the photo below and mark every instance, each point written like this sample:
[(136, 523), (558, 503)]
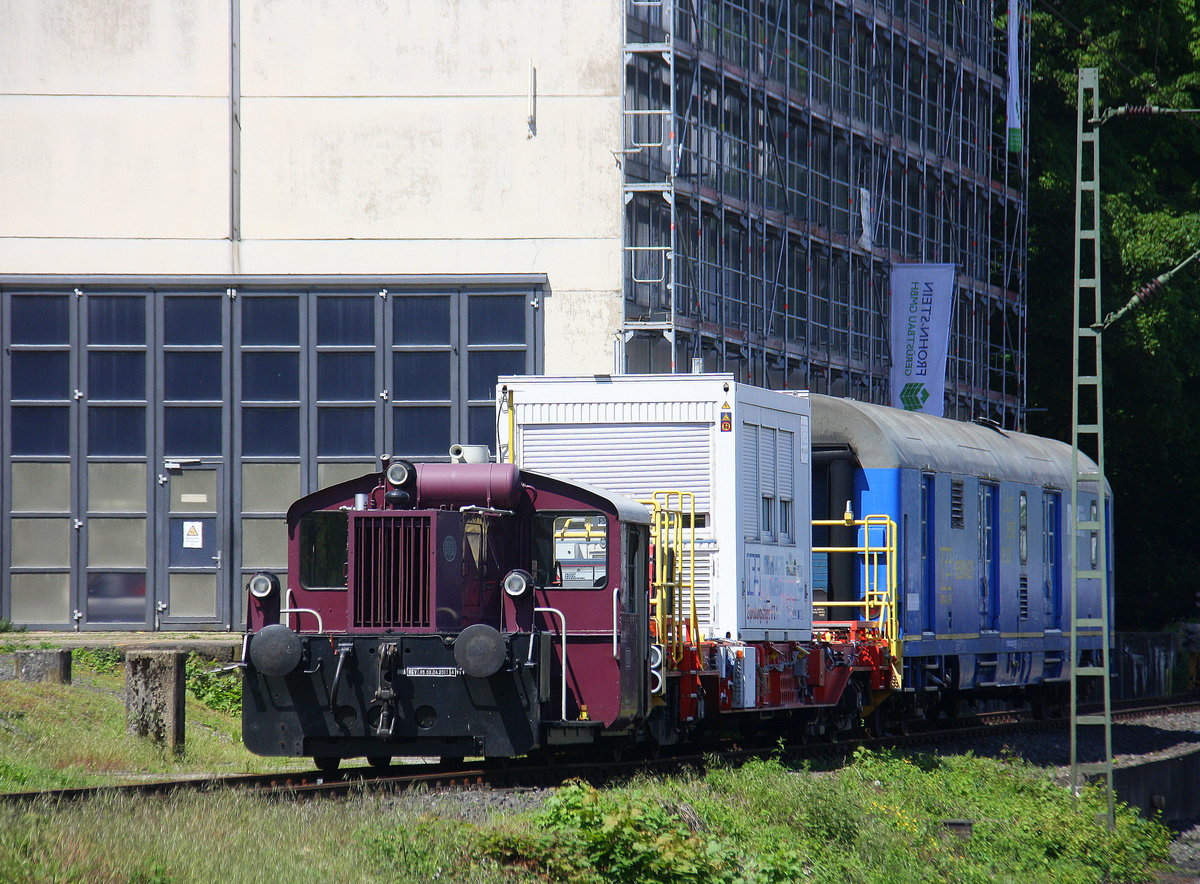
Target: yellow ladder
[(877, 607), (673, 582)]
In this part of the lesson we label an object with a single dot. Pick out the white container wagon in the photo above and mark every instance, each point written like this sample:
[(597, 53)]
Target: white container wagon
[(742, 451)]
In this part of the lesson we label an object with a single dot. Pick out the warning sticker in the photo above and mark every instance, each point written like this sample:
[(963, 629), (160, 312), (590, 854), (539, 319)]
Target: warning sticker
[(193, 535), (726, 421)]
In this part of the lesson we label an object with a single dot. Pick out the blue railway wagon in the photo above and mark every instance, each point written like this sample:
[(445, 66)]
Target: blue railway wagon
[(984, 557)]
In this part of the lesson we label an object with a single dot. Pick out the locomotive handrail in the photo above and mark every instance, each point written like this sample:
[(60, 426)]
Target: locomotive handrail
[(616, 593), (288, 609), (563, 620), (315, 613)]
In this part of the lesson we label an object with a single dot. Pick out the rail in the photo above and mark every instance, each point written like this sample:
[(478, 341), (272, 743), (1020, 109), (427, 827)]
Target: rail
[(877, 606)]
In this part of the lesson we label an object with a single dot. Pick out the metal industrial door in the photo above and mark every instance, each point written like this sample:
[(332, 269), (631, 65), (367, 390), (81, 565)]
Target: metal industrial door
[(194, 590)]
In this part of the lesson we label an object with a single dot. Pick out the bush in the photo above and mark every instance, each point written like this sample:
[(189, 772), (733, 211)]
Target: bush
[(879, 820)]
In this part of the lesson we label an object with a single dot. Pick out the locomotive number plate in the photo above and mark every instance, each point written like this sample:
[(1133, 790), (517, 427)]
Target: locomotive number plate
[(432, 671)]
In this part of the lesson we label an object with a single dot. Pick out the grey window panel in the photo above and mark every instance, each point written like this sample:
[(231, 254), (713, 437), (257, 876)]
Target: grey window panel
[(421, 374), (40, 598), (484, 366), (117, 431), (271, 432), (333, 473), (41, 375), (346, 377), (421, 430), (41, 543), (270, 377), (116, 487), (496, 320), (345, 320), (421, 319), (117, 319), (194, 491), (192, 376), (264, 543), (192, 320), (345, 432), (270, 321), (192, 432), (116, 543), (41, 487), (116, 597), (269, 487), (481, 426), (41, 319), (193, 595), (40, 429), (116, 374)]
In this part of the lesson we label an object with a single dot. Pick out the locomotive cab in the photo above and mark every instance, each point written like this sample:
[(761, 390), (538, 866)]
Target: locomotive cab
[(448, 610)]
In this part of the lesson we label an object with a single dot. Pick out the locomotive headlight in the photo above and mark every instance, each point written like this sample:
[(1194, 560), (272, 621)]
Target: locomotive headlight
[(262, 584), (399, 473), (517, 582)]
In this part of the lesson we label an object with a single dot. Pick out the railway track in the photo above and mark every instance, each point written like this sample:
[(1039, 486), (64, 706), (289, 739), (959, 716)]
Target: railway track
[(537, 773)]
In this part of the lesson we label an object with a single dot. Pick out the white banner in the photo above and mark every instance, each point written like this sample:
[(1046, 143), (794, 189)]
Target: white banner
[(922, 296), (1014, 73)]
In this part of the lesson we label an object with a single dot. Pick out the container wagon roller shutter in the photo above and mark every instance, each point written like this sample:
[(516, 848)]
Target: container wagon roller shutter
[(635, 460), (632, 459)]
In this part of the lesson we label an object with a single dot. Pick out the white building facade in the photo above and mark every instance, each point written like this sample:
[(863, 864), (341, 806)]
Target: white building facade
[(246, 246)]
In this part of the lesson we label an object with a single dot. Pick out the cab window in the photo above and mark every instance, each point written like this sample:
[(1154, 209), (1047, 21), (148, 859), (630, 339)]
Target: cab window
[(570, 550), (323, 550)]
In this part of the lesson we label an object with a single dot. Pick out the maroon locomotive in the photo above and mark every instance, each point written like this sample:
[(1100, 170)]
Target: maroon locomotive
[(461, 609)]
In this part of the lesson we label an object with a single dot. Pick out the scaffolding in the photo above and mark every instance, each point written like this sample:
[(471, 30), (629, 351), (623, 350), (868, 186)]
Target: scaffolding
[(780, 155)]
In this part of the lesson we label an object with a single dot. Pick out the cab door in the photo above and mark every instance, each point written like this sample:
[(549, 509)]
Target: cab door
[(580, 601), (631, 606)]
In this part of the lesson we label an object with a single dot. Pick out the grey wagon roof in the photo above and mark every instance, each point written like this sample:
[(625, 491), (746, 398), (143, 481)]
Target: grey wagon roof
[(887, 438)]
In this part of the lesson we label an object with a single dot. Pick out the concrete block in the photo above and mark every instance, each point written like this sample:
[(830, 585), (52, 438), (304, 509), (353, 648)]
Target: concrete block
[(154, 695), (53, 665), (8, 667)]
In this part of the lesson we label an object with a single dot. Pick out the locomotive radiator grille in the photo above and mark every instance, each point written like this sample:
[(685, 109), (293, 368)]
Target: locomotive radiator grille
[(389, 571)]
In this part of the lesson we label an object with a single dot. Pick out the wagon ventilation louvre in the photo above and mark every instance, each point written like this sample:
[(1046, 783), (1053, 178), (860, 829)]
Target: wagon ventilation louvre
[(956, 504), (389, 571)]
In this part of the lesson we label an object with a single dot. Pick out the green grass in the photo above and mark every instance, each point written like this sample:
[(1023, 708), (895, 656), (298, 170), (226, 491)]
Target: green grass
[(231, 837), (59, 736), (880, 819)]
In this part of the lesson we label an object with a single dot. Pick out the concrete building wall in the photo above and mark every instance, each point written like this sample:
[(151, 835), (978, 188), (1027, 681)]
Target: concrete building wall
[(374, 138)]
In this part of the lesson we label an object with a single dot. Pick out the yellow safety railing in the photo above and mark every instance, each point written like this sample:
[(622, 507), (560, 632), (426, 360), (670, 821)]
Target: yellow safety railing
[(877, 607), (673, 582)]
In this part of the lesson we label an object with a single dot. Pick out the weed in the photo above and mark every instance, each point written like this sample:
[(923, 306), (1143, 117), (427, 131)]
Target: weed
[(219, 691), (106, 661)]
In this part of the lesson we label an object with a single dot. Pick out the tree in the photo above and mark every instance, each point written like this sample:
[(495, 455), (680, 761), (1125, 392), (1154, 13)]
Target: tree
[(1151, 221)]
